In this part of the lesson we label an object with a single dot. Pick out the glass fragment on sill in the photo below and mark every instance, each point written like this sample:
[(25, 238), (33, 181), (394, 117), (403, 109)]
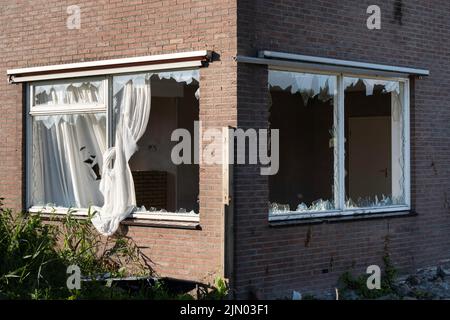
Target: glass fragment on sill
[(278, 208), (143, 209), (373, 202), (316, 206)]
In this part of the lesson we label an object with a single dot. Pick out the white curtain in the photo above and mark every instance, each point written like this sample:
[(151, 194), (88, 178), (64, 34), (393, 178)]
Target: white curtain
[(69, 93), (117, 184), (67, 157)]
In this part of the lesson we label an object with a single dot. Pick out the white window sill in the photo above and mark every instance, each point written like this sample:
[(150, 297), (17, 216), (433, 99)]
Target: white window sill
[(151, 216), (335, 215)]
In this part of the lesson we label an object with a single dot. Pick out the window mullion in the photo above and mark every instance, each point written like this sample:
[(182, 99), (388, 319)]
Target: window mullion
[(109, 111), (341, 143), (406, 145), (29, 144)]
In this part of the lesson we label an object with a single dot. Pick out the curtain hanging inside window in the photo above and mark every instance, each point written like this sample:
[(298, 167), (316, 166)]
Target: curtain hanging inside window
[(117, 184), (67, 157)]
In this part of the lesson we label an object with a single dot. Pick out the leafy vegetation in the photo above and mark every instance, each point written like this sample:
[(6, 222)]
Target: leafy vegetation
[(358, 284), (34, 257)]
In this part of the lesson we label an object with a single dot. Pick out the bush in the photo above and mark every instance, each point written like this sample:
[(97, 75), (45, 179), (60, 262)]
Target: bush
[(30, 265), (359, 284), (35, 255)]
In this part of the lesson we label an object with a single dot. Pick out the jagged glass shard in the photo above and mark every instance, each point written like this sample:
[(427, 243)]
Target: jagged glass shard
[(319, 205), (278, 208), (373, 202), (70, 92), (306, 84), (389, 86)]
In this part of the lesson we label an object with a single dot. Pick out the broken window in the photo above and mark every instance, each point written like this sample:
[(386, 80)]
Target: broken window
[(75, 124), (373, 143), (69, 92), (69, 139), (303, 108), (67, 158), (343, 144), (160, 184)]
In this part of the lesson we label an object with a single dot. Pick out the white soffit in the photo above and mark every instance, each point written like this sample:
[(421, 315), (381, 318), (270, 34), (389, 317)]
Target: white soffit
[(114, 66), (296, 61)]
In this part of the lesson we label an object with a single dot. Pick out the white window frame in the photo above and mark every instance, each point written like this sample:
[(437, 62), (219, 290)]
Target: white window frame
[(339, 193), (33, 110), (50, 109)]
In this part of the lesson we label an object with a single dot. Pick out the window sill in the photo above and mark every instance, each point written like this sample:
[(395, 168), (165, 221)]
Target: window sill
[(148, 219), (298, 219)]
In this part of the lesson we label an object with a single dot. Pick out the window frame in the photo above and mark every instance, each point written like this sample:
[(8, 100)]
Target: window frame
[(106, 107), (51, 109), (339, 119)]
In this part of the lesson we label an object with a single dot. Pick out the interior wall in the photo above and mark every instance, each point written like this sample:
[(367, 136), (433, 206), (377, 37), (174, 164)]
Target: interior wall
[(188, 174), (369, 157), (155, 147), (368, 144)]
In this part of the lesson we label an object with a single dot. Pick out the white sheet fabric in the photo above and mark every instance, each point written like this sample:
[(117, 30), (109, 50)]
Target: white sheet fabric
[(117, 184), (67, 157)]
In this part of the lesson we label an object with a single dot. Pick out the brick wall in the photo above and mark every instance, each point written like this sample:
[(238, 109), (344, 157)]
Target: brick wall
[(151, 188), (35, 33), (271, 262)]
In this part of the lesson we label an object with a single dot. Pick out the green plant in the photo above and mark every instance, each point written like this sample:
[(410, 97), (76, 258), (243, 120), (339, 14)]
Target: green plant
[(358, 284), (35, 255), (219, 290), (30, 266), (117, 256)]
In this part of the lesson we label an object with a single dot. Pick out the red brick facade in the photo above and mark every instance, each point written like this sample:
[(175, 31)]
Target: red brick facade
[(36, 34), (268, 261), (274, 261)]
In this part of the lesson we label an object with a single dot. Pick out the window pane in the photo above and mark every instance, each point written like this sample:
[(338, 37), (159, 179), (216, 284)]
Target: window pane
[(72, 92), (67, 160), (374, 143), (303, 108), (161, 185)]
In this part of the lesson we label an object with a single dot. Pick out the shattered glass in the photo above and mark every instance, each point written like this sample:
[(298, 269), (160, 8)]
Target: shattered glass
[(373, 202), (370, 84), (307, 85), (319, 205), (73, 92), (304, 108), (375, 143), (143, 209)]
